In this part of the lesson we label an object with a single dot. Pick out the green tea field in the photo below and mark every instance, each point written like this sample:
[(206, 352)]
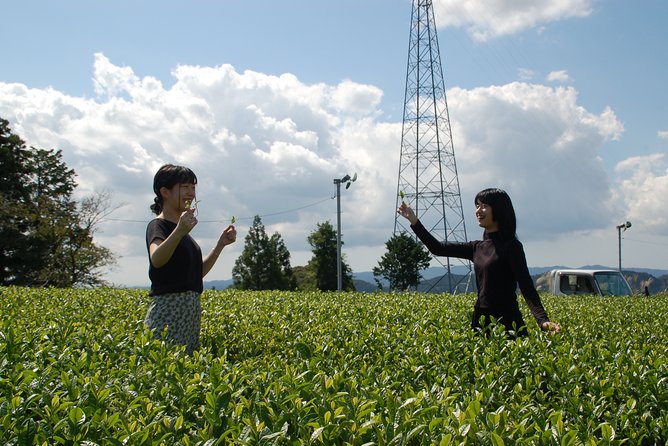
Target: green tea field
[(78, 367)]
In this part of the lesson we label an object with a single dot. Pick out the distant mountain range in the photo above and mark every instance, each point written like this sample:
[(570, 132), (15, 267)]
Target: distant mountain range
[(434, 279)]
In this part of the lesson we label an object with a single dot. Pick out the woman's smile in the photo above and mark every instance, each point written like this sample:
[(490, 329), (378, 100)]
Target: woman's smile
[(485, 216)]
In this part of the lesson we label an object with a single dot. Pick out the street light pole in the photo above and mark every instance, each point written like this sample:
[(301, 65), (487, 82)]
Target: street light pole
[(339, 279), (339, 273), (620, 228)]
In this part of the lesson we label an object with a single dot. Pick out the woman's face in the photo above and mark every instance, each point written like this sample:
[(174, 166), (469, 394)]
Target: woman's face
[(180, 196), (485, 216)]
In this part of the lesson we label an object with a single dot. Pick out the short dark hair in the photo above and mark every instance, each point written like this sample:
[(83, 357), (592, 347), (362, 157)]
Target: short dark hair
[(168, 176), (502, 210)]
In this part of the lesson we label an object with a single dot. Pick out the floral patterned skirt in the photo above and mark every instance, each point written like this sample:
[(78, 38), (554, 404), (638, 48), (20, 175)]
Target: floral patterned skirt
[(180, 313)]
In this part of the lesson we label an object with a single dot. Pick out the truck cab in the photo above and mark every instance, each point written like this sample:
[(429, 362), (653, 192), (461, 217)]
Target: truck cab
[(589, 281)]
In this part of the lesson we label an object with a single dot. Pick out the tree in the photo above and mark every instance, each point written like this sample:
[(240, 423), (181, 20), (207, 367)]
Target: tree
[(323, 262), (402, 263), (305, 277), (83, 262), (264, 263), (46, 237), (14, 201)]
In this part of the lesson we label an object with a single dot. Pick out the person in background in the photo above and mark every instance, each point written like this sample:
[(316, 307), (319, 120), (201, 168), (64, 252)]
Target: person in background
[(499, 263), (176, 265)]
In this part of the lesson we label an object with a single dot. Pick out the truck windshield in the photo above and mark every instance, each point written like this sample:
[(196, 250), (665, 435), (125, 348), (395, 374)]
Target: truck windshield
[(612, 284)]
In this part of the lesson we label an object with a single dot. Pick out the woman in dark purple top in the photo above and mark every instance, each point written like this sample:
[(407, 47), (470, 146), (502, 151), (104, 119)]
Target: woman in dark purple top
[(498, 260)]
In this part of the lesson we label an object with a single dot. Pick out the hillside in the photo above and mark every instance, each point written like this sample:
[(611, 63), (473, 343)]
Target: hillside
[(638, 281)]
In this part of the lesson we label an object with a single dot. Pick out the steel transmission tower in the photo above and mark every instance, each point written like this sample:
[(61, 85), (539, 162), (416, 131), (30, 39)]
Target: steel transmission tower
[(427, 170)]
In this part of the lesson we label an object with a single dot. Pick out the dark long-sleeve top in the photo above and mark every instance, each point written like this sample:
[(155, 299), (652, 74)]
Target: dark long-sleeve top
[(499, 265)]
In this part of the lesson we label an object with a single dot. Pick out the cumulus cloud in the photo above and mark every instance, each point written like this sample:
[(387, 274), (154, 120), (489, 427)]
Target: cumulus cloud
[(542, 147), (494, 18), (272, 145), (259, 143), (643, 186)]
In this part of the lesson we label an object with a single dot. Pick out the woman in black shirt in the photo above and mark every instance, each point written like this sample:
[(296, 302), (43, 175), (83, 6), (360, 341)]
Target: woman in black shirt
[(498, 260), (176, 266)]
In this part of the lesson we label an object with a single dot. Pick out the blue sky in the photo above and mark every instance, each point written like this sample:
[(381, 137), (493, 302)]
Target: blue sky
[(309, 90)]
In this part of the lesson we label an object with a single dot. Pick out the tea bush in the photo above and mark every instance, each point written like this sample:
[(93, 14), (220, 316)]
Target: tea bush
[(79, 367)]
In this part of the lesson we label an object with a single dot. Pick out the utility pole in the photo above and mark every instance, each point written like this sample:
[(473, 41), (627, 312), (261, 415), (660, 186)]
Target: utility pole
[(620, 228), (428, 180), (348, 180)]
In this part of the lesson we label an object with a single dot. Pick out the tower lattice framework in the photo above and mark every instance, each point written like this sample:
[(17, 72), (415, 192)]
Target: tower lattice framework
[(428, 177)]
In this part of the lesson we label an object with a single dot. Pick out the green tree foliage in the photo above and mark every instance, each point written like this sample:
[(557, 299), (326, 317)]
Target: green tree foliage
[(14, 201), (323, 262), (402, 263), (264, 263), (305, 277), (46, 236)]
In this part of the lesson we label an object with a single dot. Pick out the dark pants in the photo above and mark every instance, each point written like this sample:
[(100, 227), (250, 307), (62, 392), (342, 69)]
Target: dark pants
[(512, 322)]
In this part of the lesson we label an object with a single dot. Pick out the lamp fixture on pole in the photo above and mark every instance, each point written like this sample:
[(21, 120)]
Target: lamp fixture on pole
[(348, 180), (620, 228)]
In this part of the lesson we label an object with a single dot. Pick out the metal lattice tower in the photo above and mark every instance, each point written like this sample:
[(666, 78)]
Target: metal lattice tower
[(427, 169)]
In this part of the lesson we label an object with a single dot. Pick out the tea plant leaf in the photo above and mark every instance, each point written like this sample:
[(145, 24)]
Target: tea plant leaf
[(408, 402), (77, 416), (303, 350), (496, 439), (317, 434), (607, 431)]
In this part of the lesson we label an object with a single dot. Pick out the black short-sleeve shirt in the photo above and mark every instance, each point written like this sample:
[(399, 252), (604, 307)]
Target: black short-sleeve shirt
[(183, 272)]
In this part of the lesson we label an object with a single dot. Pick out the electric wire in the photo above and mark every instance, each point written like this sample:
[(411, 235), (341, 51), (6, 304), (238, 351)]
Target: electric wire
[(222, 220), (644, 241)]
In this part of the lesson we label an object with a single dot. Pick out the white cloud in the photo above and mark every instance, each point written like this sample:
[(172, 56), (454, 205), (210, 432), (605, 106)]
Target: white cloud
[(526, 74), (663, 134), (110, 80), (272, 145), (356, 98), (494, 18), (542, 147), (643, 187), (558, 76), (260, 144)]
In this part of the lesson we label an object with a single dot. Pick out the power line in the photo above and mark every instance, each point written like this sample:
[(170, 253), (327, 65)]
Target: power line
[(644, 241), (288, 211)]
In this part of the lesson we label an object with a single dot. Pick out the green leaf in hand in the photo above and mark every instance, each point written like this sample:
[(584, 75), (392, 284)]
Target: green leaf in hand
[(192, 204)]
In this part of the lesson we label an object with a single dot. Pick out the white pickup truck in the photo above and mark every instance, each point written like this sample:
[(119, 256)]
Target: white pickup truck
[(602, 282)]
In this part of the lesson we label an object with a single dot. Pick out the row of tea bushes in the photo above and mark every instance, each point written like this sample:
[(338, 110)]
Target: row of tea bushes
[(325, 368)]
